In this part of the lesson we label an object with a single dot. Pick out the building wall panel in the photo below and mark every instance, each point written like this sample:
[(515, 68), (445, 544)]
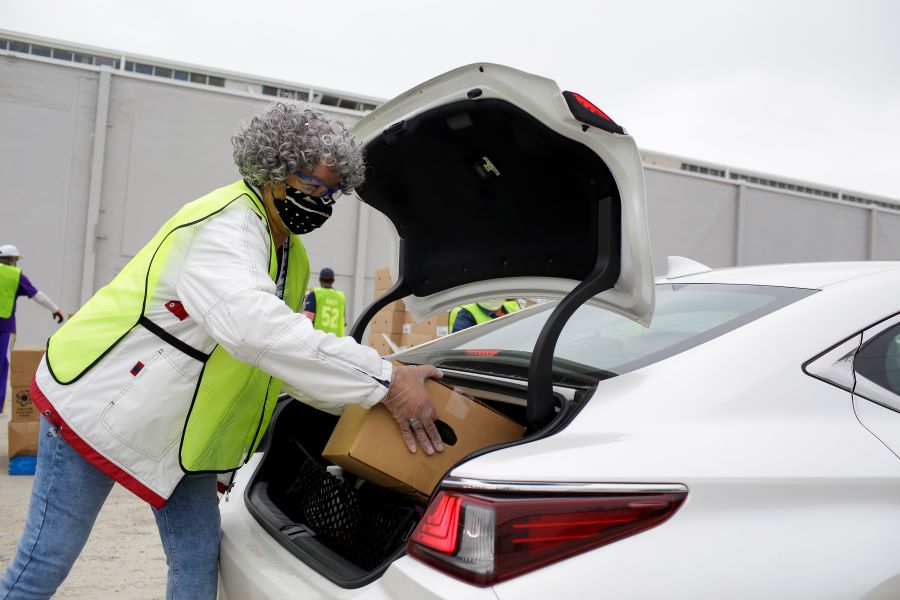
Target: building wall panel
[(783, 228), (690, 216), (46, 119), (887, 236), (168, 143)]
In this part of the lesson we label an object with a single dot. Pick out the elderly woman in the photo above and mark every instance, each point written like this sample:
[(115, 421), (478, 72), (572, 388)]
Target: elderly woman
[(168, 375)]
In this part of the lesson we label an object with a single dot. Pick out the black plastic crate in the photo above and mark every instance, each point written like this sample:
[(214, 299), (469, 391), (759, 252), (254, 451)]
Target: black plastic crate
[(364, 525)]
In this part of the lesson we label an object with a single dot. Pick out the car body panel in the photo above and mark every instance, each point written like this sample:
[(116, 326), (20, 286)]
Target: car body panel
[(762, 470), (632, 293), (803, 275), (642, 415), (785, 487), (657, 425), (883, 422), (728, 541)]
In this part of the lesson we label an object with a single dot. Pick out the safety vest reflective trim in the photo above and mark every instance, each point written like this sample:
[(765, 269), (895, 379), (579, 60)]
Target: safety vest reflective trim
[(92, 456)]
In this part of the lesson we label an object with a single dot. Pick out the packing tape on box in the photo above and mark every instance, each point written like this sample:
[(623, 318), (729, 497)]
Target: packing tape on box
[(456, 405)]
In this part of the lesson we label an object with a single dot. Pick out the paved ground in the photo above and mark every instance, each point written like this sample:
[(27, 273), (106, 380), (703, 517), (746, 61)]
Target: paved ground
[(123, 557)]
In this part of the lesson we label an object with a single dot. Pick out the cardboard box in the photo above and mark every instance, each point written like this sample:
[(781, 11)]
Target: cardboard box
[(377, 341), (23, 438), (388, 322), (383, 279), (408, 340), (23, 409), (395, 306), (23, 363), (434, 326), (383, 283), (368, 442)]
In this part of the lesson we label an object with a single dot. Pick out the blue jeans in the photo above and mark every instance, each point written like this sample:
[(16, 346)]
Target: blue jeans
[(66, 497)]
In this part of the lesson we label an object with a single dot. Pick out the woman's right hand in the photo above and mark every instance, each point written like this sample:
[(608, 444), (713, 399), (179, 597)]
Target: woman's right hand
[(409, 404)]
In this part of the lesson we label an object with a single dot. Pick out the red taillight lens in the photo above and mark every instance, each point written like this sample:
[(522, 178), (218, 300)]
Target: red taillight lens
[(587, 112), (440, 525), (485, 539), (481, 352)]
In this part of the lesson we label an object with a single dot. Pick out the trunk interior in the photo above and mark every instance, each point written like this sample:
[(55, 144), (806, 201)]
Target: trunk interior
[(348, 529)]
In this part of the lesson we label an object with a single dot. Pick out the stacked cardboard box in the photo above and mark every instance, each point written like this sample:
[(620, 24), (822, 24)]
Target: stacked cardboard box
[(394, 327), (426, 330), (24, 421), (385, 327)]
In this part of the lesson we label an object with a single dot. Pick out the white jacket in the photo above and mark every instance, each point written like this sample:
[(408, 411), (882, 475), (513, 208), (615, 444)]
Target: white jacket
[(130, 426)]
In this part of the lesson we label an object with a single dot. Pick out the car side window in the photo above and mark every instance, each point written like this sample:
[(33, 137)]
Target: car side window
[(879, 360)]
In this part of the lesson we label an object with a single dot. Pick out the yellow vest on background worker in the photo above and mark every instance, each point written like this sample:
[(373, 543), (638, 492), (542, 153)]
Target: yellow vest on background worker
[(480, 315), (330, 305), (9, 285)]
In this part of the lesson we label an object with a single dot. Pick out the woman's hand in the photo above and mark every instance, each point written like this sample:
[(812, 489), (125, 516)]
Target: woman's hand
[(408, 402)]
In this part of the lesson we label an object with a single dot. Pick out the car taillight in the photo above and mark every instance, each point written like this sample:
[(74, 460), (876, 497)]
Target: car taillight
[(585, 111), (487, 538), (481, 352)]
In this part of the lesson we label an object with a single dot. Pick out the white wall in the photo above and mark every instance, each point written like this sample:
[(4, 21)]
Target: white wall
[(723, 223), (166, 143)]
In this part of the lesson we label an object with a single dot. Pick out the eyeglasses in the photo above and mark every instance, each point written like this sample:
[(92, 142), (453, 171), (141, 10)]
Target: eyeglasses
[(314, 184)]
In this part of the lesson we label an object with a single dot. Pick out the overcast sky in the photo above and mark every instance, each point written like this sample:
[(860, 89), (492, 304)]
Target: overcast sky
[(803, 89)]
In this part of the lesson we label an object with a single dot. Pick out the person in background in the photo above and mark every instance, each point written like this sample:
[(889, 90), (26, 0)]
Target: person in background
[(168, 376), (325, 306), (13, 284), (463, 317)]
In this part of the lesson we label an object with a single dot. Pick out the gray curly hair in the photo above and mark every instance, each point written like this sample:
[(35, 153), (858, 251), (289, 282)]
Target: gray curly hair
[(287, 137)]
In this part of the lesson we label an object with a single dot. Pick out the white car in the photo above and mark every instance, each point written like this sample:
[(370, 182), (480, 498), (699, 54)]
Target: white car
[(744, 445)]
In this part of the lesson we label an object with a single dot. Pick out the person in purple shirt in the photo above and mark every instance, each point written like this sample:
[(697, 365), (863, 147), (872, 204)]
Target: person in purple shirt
[(13, 284)]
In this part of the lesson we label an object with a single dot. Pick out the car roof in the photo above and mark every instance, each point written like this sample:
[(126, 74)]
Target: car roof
[(800, 275)]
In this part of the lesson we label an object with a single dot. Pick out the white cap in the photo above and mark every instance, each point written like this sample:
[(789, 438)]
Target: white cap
[(491, 305), (9, 250)]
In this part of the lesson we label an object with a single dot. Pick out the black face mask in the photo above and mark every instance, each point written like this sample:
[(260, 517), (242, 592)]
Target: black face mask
[(301, 213)]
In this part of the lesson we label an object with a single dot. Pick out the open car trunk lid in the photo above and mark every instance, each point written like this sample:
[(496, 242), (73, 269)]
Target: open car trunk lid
[(499, 185)]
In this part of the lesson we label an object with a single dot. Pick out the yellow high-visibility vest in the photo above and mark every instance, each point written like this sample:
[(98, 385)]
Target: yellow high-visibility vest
[(330, 304), (9, 285), (510, 306), (228, 391)]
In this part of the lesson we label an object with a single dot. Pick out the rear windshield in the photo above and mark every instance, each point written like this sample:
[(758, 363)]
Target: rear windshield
[(596, 342)]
